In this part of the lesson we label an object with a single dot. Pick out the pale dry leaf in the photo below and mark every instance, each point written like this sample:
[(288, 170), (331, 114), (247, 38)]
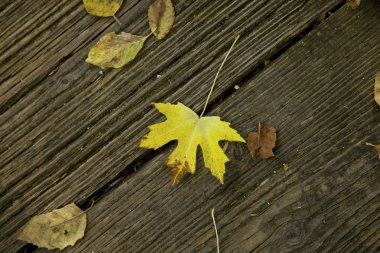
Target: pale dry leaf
[(377, 88), (115, 50), (55, 230), (102, 8), (161, 17), (263, 142)]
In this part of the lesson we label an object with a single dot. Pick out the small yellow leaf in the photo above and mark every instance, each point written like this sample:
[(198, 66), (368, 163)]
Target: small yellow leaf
[(102, 8), (191, 131), (377, 88), (57, 229), (161, 17), (115, 50)]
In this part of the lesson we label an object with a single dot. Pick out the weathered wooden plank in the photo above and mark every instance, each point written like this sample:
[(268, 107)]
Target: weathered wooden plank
[(80, 129), (319, 96), (10, 126), (50, 31)]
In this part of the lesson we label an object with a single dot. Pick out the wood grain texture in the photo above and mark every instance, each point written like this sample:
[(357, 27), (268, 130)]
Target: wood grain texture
[(66, 130), (46, 33), (318, 94)]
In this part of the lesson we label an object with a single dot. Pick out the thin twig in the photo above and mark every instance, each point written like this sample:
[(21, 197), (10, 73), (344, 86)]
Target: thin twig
[(117, 20), (259, 127), (216, 230), (217, 74), (92, 204)]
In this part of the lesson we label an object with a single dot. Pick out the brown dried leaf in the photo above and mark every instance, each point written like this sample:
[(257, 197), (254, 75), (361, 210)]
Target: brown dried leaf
[(377, 88), (376, 146), (353, 4), (161, 17), (263, 142), (57, 229), (253, 142)]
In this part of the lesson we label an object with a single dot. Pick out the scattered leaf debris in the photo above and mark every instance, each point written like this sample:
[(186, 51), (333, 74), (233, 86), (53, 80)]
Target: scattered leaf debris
[(322, 17), (353, 4), (263, 142), (161, 17), (191, 131), (115, 50), (102, 8), (376, 146), (57, 229)]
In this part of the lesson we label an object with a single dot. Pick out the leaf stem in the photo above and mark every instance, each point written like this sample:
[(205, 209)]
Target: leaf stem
[(217, 74), (150, 33), (216, 230)]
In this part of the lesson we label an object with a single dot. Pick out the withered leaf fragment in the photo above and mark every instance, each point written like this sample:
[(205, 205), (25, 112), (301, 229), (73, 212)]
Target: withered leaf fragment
[(161, 17), (376, 146), (322, 17), (102, 8), (115, 50), (353, 4), (377, 88), (263, 142), (57, 229)]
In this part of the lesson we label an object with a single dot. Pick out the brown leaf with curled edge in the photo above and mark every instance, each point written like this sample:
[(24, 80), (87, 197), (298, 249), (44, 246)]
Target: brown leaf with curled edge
[(376, 91), (263, 141), (57, 229), (353, 4), (376, 146), (161, 17)]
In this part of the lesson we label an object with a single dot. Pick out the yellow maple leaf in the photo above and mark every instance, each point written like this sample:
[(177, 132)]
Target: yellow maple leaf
[(102, 8), (191, 131), (115, 50)]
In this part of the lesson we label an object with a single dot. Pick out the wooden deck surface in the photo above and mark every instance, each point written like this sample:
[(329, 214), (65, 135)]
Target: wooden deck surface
[(69, 133)]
